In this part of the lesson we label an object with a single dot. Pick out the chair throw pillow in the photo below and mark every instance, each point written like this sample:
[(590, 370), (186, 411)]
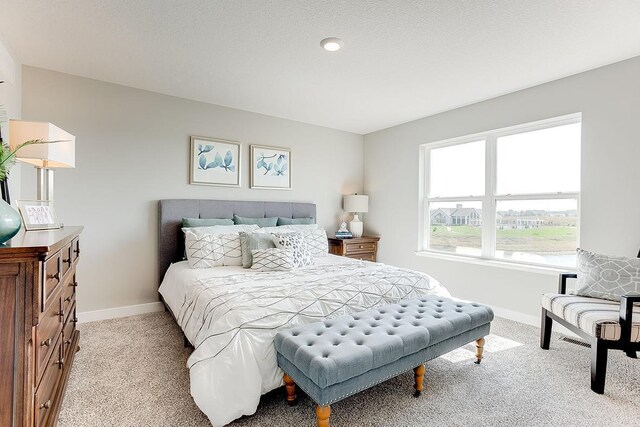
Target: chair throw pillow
[(294, 242), (272, 259), (607, 277), (253, 241), (203, 250)]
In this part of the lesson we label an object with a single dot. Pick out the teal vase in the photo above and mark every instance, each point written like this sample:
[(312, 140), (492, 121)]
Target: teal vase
[(10, 221)]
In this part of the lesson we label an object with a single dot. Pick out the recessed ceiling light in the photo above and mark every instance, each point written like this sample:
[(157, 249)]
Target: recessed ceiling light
[(331, 44)]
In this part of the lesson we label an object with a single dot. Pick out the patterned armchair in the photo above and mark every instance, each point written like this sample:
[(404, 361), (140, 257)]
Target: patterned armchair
[(594, 314)]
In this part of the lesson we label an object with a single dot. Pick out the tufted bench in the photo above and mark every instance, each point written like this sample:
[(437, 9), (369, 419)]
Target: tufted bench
[(339, 357)]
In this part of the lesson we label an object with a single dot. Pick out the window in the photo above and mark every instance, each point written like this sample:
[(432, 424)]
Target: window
[(510, 194)]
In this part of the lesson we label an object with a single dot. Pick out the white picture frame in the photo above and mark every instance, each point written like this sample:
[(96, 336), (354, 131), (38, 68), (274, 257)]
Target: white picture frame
[(214, 161), (38, 215), (270, 167)]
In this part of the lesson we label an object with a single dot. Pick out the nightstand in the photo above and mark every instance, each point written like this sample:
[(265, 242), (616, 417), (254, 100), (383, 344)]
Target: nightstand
[(364, 248)]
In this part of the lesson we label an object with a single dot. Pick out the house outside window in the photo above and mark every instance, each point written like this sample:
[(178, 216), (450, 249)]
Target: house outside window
[(510, 194)]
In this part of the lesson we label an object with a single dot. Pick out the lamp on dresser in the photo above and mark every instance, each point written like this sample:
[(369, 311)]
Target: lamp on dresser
[(57, 154), (356, 203)]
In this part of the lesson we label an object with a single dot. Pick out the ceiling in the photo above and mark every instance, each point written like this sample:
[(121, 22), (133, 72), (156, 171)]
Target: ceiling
[(401, 60)]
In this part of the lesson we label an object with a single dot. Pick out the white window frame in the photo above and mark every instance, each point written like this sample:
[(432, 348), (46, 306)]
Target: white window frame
[(491, 198)]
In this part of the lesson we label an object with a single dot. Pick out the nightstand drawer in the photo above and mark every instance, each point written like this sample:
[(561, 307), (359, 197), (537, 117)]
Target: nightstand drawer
[(363, 257), (355, 247)]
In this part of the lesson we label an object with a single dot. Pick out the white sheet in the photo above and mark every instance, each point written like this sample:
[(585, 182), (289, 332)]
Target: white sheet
[(231, 315)]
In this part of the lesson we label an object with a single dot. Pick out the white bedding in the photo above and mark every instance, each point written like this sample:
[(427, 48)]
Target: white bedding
[(231, 315)]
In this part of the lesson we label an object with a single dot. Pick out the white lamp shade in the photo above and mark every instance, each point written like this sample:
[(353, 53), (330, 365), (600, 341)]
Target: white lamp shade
[(55, 155), (356, 203)]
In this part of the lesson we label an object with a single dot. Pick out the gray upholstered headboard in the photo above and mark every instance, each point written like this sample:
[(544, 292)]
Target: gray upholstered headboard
[(171, 212)]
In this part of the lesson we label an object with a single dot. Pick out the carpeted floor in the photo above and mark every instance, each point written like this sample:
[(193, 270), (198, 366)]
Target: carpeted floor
[(132, 372)]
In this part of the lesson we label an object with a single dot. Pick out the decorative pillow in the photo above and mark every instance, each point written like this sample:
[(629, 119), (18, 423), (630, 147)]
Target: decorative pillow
[(607, 277), (298, 227), (272, 259), (253, 241), (317, 242), (222, 229), (231, 249), (260, 222), (203, 250), (205, 222), (296, 221), (295, 242)]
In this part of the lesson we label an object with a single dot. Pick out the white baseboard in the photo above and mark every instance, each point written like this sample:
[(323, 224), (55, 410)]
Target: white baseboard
[(113, 313), (516, 316)]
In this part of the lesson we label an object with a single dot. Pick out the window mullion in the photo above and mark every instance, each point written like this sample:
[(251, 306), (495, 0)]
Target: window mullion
[(488, 204)]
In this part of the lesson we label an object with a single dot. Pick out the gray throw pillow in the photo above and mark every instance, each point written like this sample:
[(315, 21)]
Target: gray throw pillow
[(295, 221), (205, 222), (260, 222), (607, 277), (250, 242)]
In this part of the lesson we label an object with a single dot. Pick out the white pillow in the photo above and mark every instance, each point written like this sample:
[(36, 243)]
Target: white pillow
[(222, 229), (272, 259), (299, 227), (231, 249), (294, 242), (203, 250), (270, 230), (316, 241)]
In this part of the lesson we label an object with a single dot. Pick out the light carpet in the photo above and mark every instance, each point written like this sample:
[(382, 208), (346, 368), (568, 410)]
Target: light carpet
[(132, 372)]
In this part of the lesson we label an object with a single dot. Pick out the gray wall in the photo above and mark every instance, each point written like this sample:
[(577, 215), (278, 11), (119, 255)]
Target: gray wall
[(10, 100), (132, 149), (609, 99)]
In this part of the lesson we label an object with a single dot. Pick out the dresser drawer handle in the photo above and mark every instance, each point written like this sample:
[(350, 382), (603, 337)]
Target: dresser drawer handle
[(74, 285), (54, 276), (74, 320), (46, 343), (67, 342), (46, 405), (60, 314), (60, 362), (68, 299), (76, 251), (68, 261)]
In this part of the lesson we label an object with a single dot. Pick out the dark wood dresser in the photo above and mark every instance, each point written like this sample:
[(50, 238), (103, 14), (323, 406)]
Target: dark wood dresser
[(364, 248), (38, 336)]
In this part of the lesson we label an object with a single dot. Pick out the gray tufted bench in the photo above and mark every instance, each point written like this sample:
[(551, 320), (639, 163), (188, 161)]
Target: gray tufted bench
[(339, 357)]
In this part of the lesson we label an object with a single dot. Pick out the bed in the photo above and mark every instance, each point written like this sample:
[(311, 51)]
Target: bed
[(231, 314)]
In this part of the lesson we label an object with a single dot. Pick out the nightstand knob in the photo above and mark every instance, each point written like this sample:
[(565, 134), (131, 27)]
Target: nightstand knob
[(361, 246)]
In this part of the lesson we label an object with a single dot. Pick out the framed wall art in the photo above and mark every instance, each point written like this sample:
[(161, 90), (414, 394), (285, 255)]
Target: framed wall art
[(270, 167), (214, 162), (38, 215)]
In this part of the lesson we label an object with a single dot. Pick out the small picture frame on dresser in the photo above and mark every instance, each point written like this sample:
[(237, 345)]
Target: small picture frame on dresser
[(38, 215)]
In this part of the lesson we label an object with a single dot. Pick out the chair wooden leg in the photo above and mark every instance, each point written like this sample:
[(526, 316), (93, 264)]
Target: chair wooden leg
[(632, 354), (598, 366), (418, 374), (187, 344), (545, 330), (323, 413), (290, 386), (479, 350)]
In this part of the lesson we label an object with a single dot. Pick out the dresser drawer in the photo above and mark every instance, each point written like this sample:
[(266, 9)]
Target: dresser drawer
[(66, 259), (45, 394), (51, 277), (75, 249), (47, 332), (354, 247), (67, 332), (68, 292)]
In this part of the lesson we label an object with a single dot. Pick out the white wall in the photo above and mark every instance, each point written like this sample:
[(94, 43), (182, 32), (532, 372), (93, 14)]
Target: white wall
[(132, 149), (10, 99), (609, 99)]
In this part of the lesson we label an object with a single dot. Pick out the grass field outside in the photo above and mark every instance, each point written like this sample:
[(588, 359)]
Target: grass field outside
[(540, 240)]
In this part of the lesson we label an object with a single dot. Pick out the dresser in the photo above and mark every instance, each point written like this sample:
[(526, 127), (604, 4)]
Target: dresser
[(38, 336), (364, 248)]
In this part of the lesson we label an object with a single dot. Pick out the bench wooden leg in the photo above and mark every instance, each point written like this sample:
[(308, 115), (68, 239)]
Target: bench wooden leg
[(418, 374), (291, 390), (323, 413), (479, 350)]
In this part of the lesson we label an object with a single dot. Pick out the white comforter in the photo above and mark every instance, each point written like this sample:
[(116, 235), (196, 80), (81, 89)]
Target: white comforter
[(231, 315)]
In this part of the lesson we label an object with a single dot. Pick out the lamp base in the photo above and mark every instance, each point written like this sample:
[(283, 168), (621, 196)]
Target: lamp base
[(356, 226)]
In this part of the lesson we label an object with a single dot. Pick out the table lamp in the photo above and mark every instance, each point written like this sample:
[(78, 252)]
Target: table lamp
[(45, 157), (356, 203)]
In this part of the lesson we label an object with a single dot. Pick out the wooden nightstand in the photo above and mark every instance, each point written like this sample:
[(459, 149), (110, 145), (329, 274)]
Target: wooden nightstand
[(364, 248)]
